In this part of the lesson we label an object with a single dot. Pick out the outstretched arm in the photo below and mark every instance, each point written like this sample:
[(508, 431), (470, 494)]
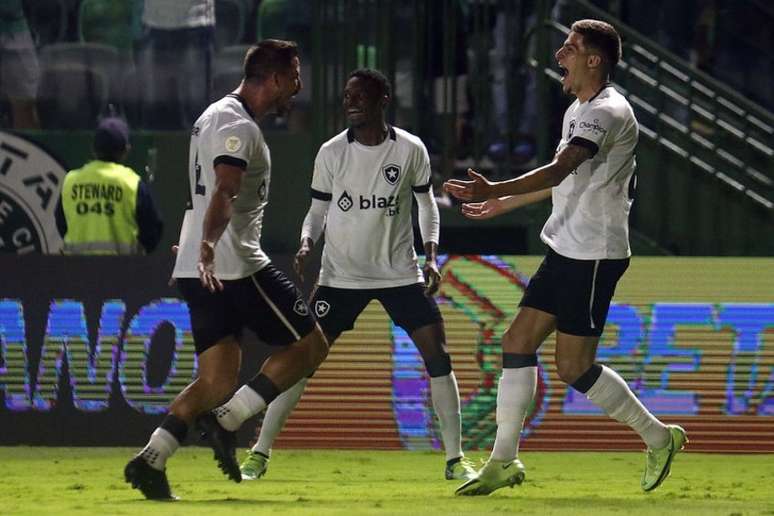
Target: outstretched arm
[(495, 207), (547, 176)]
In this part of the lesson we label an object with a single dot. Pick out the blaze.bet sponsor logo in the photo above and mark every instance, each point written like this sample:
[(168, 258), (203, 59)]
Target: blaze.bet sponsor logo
[(345, 201)]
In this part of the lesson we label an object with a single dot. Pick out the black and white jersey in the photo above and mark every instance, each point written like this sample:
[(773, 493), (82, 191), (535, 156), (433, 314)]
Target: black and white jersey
[(226, 133), (369, 239), (590, 216)]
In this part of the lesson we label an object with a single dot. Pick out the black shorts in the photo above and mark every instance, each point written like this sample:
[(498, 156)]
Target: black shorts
[(267, 302), (577, 292), (337, 308)]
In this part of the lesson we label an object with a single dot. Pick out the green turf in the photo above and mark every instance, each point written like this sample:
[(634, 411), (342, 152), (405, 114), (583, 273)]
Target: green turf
[(64, 481)]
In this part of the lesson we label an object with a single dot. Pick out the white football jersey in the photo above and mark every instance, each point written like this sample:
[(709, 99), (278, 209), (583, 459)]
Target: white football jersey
[(369, 239), (590, 215), (226, 133)]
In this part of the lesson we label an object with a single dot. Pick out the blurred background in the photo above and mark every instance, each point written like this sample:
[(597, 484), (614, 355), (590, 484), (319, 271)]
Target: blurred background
[(474, 78)]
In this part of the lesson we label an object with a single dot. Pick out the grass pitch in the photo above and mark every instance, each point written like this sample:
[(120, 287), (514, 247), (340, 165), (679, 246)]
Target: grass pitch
[(62, 481)]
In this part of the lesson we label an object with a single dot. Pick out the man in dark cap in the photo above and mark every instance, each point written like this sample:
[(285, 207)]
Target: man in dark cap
[(105, 208)]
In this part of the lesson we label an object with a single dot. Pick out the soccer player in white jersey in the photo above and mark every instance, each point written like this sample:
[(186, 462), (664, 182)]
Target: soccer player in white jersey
[(591, 181), (227, 280), (362, 188)]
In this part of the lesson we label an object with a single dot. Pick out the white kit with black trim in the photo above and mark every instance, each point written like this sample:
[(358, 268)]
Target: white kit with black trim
[(226, 133), (589, 220), (369, 240)]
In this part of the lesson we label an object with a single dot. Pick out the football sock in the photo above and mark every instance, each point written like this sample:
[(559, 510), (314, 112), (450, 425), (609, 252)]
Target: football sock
[(276, 415), (164, 441), (244, 404), (611, 393), (446, 403), (514, 396)]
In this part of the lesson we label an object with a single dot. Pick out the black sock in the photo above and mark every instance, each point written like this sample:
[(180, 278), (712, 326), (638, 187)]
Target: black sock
[(265, 388), (516, 360), (587, 379), (175, 426)]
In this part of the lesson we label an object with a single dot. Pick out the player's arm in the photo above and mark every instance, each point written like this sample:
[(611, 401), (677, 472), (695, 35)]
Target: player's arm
[(547, 176), (497, 206), (311, 230), (149, 223), (429, 228), (228, 180)]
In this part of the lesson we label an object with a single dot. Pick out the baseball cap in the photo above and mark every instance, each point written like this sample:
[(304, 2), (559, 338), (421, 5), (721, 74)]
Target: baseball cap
[(112, 136)]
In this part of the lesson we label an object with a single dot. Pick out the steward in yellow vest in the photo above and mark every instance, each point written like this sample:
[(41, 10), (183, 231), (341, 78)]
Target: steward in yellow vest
[(105, 208)]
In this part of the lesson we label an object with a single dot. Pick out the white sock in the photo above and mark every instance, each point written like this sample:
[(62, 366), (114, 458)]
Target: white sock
[(276, 415), (161, 446), (611, 393), (244, 404), (514, 396), (446, 403)]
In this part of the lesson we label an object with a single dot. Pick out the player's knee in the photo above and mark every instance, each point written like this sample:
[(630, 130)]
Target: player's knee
[(318, 356), (569, 370), (438, 365), (318, 351), (514, 341)]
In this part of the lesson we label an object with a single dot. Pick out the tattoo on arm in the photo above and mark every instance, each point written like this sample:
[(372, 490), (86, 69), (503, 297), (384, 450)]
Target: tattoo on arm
[(572, 156)]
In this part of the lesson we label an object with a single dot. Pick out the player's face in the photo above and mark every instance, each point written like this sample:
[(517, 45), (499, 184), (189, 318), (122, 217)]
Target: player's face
[(572, 58), (362, 105), (289, 86)]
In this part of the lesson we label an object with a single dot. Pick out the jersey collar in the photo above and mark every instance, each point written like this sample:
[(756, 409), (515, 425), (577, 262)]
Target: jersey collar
[(242, 101), (351, 134), (606, 85)]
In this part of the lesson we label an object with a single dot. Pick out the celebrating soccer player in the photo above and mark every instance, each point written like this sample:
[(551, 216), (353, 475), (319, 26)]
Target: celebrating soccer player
[(591, 181), (225, 277), (364, 180)]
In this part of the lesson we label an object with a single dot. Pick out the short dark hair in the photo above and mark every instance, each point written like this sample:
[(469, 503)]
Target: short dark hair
[(377, 80), (267, 57), (603, 37)]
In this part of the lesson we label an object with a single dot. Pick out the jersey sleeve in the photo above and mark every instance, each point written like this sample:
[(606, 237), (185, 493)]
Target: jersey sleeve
[(422, 172), (322, 178), (150, 225), (234, 143), (592, 129)]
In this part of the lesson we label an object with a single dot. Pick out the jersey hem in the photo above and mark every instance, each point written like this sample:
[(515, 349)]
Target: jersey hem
[(227, 277), (370, 284), (584, 256)]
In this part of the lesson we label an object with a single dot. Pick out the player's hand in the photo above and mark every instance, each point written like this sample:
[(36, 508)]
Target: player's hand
[(432, 277), (483, 210), (478, 189), (300, 260), (206, 267)]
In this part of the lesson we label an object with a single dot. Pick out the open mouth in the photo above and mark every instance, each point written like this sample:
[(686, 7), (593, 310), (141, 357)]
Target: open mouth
[(562, 71)]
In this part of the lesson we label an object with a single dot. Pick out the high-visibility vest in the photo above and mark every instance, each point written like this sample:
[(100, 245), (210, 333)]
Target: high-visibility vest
[(99, 201)]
